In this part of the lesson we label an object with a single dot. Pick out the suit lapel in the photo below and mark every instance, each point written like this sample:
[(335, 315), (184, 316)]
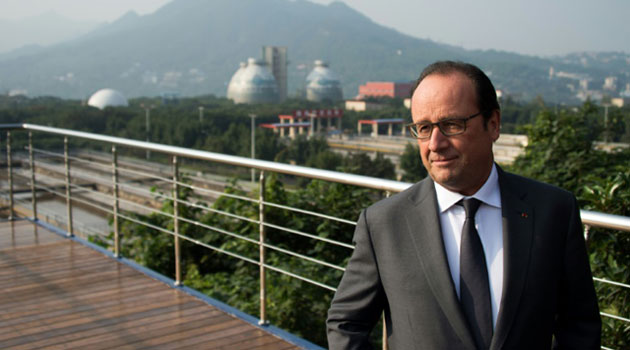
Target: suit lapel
[(425, 232), (518, 218)]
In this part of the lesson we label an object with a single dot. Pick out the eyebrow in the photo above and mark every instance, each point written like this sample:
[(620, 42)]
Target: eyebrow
[(445, 118)]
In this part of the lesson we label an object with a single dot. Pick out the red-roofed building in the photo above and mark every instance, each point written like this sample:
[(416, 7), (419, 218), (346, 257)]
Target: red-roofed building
[(385, 89)]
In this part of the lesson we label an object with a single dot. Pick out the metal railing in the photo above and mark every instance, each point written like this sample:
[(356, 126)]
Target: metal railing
[(115, 185)]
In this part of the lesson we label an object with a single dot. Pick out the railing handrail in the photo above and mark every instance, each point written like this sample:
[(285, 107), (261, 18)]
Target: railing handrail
[(592, 218), (349, 179)]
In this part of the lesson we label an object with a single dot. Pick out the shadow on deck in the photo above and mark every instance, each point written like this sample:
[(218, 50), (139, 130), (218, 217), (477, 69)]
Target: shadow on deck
[(58, 293)]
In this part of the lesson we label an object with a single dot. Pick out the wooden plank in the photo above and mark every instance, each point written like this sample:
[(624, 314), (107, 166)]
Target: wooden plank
[(122, 328), (58, 294)]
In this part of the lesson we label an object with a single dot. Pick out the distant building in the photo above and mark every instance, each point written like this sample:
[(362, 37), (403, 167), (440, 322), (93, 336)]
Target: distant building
[(107, 98), (253, 83), (17, 92), (276, 59), (620, 101), (610, 83), (362, 106), (322, 84), (385, 89)]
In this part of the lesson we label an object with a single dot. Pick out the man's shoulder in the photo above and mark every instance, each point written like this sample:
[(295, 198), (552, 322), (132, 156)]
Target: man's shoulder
[(532, 187), (413, 194)]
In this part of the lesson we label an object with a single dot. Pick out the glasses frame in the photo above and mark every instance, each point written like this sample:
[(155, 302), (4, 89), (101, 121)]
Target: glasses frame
[(414, 133)]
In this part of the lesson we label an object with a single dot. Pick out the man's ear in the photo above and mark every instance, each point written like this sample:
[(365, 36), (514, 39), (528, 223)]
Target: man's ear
[(494, 124)]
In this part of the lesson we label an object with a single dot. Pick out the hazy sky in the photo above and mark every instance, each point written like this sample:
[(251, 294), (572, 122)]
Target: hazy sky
[(540, 27)]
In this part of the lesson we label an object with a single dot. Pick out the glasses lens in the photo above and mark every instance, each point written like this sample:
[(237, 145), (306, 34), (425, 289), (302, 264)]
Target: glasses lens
[(452, 126), (423, 130)]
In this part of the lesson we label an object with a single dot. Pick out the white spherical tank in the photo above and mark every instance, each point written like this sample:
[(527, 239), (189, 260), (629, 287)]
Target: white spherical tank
[(107, 98), (253, 83), (322, 84)]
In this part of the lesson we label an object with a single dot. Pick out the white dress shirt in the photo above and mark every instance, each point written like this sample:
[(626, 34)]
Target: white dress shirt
[(489, 225)]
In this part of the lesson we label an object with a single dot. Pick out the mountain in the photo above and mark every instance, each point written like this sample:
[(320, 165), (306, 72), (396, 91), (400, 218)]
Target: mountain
[(194, 46), (46, 29)]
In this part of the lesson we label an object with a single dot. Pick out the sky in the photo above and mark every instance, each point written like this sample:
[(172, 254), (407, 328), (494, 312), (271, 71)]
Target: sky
[(532, 27)]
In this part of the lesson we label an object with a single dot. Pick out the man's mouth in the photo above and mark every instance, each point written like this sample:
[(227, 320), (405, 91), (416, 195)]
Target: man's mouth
[(442, 160)]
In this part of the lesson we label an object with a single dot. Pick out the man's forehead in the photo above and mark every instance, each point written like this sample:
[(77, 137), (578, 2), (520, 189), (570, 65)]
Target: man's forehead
[(443, 93)]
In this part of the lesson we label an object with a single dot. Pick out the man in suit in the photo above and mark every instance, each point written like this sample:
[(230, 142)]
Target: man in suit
[(510, 273)]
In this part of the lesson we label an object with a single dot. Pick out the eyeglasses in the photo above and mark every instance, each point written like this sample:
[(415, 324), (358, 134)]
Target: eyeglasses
[(448, 127)]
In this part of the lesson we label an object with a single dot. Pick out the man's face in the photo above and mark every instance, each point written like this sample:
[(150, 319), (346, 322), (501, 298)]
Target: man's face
[(460, 163)]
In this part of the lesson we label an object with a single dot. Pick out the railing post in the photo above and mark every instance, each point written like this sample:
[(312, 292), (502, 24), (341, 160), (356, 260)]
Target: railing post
[(261, 243), (115, 192), (10, 175), (178, 272), (587, 230), (31, 159), (68, 198)]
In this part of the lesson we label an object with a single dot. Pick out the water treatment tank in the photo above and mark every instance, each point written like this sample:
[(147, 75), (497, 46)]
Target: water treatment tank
[(253, 83), (107, 98), (322, 84)]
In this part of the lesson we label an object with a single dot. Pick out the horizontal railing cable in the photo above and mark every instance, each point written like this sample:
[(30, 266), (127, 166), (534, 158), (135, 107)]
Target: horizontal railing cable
[(204, 207), (300, 233), (190, 239), (612, 282), (54, 154), (627, 320), (305, 279), (140, 173), (308, 212), (219, 193), (305, 257), (219, 230)]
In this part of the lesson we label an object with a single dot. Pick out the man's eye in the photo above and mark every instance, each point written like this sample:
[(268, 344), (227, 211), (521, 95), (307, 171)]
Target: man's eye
[(451, 125), (424, 128)]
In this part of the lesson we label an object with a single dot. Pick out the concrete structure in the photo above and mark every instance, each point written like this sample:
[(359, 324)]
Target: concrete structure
[(276, 59), (385, 89), (253, 83), (107, 98), (619, 101), (282, 126), (376, 122), (316, 118), (362, 106), (322, 84)]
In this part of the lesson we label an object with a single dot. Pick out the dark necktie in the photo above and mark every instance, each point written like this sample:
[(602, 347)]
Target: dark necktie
[(474, 287)]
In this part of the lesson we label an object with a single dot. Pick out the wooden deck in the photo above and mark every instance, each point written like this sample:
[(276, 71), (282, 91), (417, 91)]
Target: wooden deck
[(59, 294)]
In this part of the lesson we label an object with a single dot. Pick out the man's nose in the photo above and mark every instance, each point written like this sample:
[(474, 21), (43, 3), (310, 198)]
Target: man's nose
[(437, 140)]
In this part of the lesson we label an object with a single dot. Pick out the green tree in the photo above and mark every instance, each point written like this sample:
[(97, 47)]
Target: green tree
[(411, 164), (560, 147)]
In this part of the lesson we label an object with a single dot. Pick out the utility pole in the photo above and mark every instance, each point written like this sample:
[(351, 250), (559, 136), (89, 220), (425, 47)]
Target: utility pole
[(253, 126), (147, 116), (201, 114)]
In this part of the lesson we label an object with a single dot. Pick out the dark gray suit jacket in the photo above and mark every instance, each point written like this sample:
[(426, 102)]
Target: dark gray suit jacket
[(399, 266)]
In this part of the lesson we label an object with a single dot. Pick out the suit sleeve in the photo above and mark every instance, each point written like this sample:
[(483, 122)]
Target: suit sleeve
[(358, 302), (578, 323)]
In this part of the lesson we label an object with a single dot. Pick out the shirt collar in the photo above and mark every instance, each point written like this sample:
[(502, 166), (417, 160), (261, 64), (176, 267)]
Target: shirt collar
[(489, 193)]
